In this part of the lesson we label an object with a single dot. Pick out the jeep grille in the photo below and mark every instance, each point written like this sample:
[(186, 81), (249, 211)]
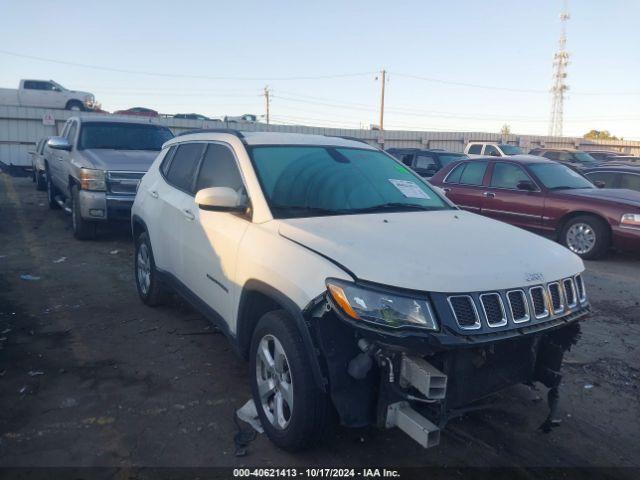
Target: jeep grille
[(493, 309), (556, 297), (465, 311), (518, 305), (539, 302)]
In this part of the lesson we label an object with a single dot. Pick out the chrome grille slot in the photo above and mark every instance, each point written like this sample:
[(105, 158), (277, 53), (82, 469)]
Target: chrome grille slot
[(582, 296), (465, 312), (539, 302), (556, 297), (123, 183), (569, 292), (493, 309), (518, 306)]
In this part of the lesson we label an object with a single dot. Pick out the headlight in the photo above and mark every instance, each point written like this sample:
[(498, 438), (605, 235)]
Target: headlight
[(92, 179), (89, 102), (380, 307), (630, 220)]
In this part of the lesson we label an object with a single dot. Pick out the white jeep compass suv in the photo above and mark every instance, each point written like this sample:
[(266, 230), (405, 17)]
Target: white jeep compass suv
[(349, 283)]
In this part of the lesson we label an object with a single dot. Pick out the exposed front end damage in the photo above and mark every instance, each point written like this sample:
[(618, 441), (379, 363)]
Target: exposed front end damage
[(419, 381)]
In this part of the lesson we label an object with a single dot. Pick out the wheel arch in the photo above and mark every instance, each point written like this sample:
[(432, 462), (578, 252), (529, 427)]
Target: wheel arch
[(138, 226), (562, 222), (74, 101), (258, 298)]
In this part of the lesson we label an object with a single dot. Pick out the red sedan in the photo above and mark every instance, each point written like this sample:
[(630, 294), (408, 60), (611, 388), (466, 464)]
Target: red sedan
[(541, 195)]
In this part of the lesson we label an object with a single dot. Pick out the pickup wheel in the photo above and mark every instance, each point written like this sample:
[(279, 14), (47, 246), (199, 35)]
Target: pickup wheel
[(82, 229), (587, 236), (293, 411), (75, 105), (40, 179), (150, 289), (51, 191)]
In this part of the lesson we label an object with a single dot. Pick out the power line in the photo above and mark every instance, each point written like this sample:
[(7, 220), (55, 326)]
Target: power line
[(178, 75)]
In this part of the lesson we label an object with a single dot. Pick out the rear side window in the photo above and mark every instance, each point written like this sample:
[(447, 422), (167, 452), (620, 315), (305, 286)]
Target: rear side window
[(219, 169), (183, 165), (425, 162), (475, 149), (166, 162), (473, 173)]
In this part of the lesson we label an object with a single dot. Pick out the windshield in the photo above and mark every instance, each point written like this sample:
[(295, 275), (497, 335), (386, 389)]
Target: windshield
[(304, 181), (511, 149), (583, 157), (555, 176), (447, 158), (123, 136)]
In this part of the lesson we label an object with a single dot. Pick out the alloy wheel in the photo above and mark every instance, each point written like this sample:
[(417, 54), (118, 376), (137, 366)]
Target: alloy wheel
[(275, 383), (143, 268), (581, 238)]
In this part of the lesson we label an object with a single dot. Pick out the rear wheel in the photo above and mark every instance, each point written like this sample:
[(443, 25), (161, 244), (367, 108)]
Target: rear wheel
[(150, 289), (51, 191), (82, 229), (294, 412), (40, 179), (586, 236)]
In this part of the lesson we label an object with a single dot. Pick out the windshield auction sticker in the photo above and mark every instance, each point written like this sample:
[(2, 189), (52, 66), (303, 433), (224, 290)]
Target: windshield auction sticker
[(409, 189)]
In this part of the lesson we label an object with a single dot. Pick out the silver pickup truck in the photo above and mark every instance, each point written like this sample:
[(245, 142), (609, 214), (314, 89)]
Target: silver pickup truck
[(94, 167)]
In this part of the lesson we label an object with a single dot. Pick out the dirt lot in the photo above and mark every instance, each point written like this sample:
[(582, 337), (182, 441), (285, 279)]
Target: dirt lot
[(89, 376)]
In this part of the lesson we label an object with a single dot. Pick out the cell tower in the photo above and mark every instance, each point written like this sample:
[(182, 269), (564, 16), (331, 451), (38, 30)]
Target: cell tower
[(560, 62)]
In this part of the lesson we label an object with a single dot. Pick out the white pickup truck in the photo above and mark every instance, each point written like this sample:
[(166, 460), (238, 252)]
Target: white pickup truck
[(46, 94)]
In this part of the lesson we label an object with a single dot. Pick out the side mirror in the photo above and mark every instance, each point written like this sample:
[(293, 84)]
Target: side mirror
[(220, 199), (599, 184), (59, 143), (526, 185)]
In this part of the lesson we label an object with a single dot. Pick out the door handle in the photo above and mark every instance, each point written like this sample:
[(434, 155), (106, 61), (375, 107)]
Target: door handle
[(189, 214), (153, 193), (446, 189), (489, 194)]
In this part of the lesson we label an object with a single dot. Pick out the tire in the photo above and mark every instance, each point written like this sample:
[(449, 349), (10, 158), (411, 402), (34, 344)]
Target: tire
[(82, 229), (587, 236), (51, 192), (75, 105), (41, 182), (150, 289), (304, 421)]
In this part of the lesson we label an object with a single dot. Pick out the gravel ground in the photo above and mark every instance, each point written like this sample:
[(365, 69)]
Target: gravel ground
[(89, 376)]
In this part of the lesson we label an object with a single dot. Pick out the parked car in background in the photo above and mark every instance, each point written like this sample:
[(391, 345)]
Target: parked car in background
[(546, 197), (191, 116), (576, 158), (38, 164), (425, 162), (140, 111), (491, 149), (46, 94), (604, 155), (615, 176), (94, 167), (246, 118), (623, 160), (351, 286)]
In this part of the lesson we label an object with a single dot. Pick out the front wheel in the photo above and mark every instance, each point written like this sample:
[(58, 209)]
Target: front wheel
[(40, 179), (586, 236), (75, 106), (294, 412), (82, 229)]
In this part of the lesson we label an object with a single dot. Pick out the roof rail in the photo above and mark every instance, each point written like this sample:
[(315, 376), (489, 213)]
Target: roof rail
[(231, 131)]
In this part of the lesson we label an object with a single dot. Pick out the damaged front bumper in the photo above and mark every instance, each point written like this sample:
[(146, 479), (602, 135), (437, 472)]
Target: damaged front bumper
[(418, 380)]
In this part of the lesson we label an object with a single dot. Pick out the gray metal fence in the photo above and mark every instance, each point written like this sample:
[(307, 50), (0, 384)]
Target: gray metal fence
[(21, 128)]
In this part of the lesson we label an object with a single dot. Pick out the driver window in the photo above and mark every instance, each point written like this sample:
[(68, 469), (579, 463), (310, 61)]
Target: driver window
[(219, 169), (491, 151)]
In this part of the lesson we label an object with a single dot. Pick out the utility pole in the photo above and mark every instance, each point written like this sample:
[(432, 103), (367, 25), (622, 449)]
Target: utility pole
[(267, 101), (384, 80), (559, 87)]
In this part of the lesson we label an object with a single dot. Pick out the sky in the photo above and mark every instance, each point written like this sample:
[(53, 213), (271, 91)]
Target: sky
[(452, 65)]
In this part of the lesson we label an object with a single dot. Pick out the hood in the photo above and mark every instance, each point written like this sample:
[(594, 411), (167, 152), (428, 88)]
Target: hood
[(617, 195), (443, 251), (84, 94), (128, 160)]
